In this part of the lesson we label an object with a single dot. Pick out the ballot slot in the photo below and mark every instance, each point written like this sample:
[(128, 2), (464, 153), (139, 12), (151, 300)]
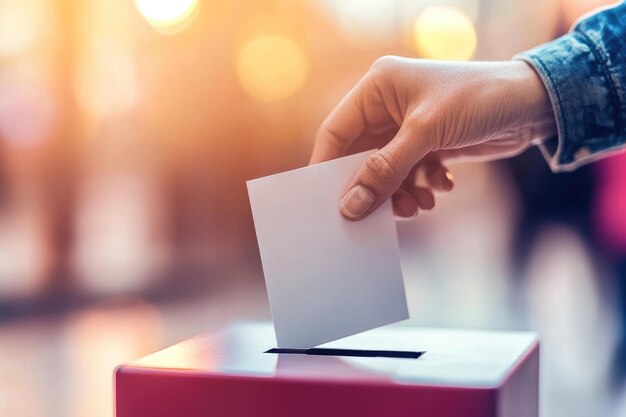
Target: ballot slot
[(363, 353)]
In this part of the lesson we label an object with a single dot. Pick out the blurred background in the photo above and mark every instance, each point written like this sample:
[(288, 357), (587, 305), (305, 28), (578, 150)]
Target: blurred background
[(128, 129)]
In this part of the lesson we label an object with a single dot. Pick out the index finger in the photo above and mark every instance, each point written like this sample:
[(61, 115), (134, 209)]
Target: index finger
[(340, 128)]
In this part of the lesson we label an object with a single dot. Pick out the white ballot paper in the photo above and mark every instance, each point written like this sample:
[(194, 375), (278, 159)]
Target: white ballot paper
[(326, 277)]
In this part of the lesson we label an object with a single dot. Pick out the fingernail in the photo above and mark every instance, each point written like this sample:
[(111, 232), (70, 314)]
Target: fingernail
[(446, 181), (449, 180), (357, 202)]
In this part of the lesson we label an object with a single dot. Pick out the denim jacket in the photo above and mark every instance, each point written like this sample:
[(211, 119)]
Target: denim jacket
[(585, 75)]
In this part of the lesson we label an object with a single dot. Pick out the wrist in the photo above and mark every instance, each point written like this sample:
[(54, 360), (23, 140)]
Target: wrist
[(531, 91)]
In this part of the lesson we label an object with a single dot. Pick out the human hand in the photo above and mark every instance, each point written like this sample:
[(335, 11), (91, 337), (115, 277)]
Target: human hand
[(422, 115)]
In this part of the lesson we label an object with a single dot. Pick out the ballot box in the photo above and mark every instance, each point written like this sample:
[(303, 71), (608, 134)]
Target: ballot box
[(390, 371)]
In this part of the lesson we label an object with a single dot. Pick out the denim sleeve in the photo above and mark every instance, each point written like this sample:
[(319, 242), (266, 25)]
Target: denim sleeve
[(585, 75)]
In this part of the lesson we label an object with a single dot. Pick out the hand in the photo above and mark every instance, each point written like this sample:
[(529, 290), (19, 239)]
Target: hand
[(423, 114)]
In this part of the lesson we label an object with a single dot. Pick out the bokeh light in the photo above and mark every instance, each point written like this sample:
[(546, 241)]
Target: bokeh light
[(117, 254), (271, 67), (106, 80), (24, 257), (27, 107), (365, 24), (100, 338), (573, 9), (128, 130), (167, 15), (444, 32), (21, 22)]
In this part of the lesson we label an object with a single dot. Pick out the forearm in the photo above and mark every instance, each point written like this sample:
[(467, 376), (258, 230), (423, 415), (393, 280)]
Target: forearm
[(584, 73)]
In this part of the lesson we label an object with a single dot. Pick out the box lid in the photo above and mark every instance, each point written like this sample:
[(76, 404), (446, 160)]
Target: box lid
[(463, 358)]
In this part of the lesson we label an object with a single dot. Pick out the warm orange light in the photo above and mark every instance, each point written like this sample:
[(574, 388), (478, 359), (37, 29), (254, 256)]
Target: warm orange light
[(105, 81), (271, 67), (183, 355), (444, 32), (167, 15), (21, 23), (27, 108), (98, 339)]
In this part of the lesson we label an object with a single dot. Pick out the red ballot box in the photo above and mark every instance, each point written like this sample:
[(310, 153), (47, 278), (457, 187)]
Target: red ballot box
[(391, 371)]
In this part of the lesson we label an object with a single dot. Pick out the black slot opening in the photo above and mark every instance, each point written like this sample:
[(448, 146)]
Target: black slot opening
[(349, 352)]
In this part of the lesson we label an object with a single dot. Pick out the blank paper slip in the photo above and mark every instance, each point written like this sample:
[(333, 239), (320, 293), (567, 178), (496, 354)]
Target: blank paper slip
[(326, 277)]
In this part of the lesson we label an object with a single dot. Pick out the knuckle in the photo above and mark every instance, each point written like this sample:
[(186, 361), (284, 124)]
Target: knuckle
[(382, 74), (381, 169), (382, 70), (384, 63)]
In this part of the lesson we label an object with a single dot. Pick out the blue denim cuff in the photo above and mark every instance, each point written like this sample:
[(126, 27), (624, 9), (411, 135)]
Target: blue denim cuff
[(578, 77)]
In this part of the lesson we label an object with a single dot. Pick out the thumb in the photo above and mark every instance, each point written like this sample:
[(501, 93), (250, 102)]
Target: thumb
[(381, 175)]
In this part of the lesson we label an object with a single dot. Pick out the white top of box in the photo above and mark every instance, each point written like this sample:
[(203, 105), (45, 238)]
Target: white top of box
[(463, 358)]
